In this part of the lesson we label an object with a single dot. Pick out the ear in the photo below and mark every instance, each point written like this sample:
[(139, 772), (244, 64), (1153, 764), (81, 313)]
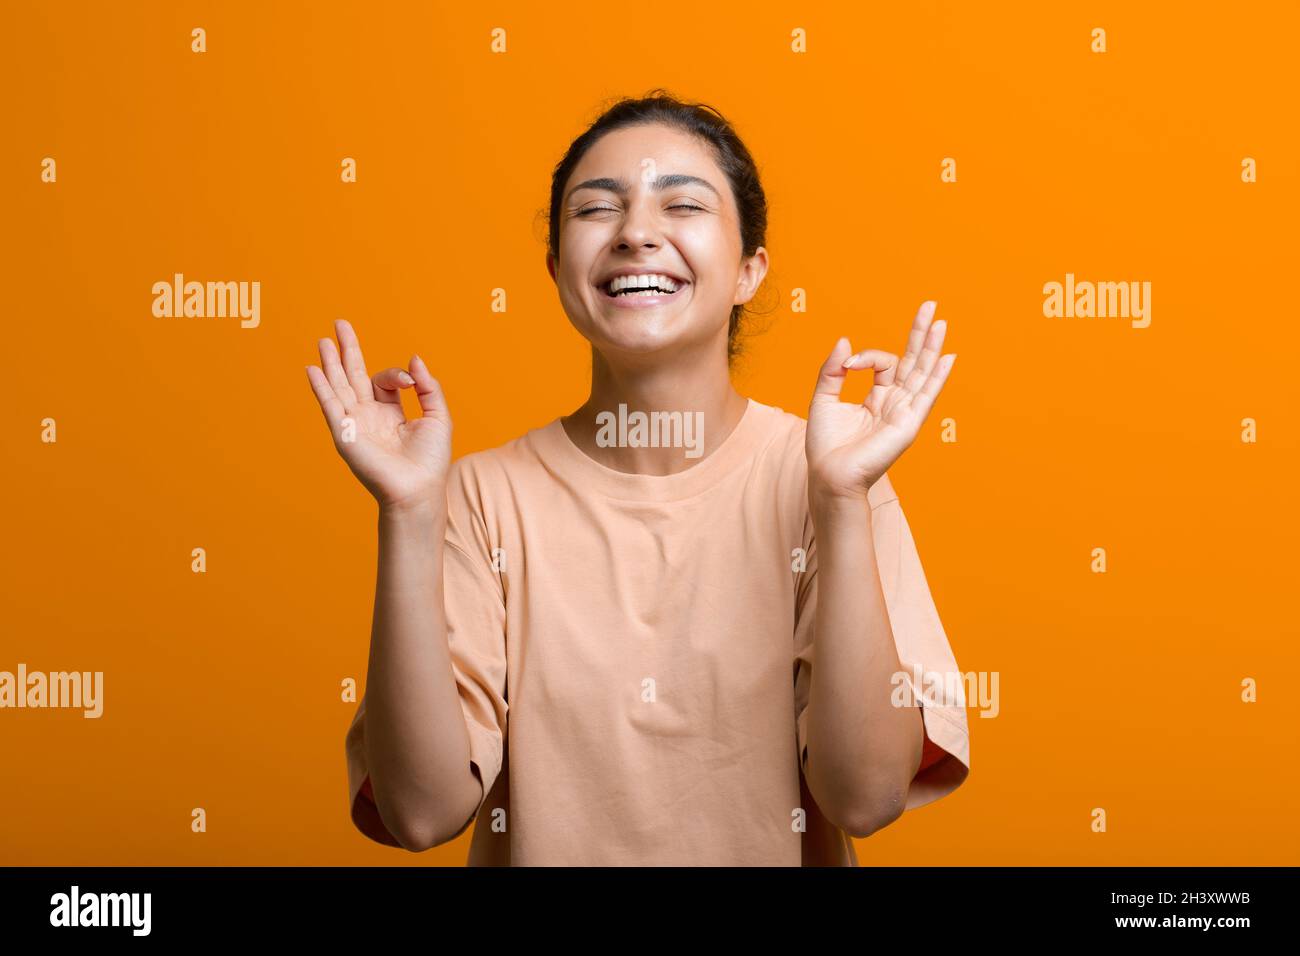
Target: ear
[(752, 271), (550, 265)]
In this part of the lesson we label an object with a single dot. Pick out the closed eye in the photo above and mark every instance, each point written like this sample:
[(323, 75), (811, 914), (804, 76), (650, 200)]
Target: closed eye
[(583, 212)]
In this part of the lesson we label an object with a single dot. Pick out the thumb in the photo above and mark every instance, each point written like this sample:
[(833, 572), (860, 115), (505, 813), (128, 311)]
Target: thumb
[(830, 379)]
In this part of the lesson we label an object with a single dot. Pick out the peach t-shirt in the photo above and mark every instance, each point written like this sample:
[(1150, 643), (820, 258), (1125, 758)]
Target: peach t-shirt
[(634, 654)]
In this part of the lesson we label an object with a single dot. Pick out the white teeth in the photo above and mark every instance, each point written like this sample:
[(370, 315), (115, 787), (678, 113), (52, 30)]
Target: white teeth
[(637, 282)]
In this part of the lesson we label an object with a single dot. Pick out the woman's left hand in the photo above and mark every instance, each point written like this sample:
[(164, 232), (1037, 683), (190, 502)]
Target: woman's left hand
[(849, 446)]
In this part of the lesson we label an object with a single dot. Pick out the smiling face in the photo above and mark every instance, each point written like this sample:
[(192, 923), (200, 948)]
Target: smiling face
[(650, 200)]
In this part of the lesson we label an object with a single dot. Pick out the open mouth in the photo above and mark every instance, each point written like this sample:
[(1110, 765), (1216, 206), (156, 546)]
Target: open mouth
[(642, 287)]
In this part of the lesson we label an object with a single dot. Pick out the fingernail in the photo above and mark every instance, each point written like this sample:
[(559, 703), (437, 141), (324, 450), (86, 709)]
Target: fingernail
[(849, 362), (405, 379)]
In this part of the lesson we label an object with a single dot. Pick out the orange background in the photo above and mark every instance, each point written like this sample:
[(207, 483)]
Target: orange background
[(222, 690)]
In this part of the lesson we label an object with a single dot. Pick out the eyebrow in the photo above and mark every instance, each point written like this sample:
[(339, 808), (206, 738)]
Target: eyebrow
[(667, 181)]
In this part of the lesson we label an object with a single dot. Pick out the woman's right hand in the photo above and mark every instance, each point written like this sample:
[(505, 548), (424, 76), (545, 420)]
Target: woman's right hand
[(403, 463)]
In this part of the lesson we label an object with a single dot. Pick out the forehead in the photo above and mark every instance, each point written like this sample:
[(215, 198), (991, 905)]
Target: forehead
[(629, 152)]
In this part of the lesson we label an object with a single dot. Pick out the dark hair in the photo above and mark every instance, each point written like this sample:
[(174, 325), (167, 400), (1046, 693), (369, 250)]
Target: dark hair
[(703, 121)]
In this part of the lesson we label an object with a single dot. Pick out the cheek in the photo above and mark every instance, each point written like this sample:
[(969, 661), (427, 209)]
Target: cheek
[(578, 300), (710, 257), (574, 279), (573, 298)]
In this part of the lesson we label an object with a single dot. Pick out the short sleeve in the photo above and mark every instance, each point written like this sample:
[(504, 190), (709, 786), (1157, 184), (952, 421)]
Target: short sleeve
[(474, 597), (923, 648)]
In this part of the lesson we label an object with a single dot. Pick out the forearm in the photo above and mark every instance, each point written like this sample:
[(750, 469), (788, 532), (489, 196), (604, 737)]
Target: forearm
[(862, 750), (416, 743)]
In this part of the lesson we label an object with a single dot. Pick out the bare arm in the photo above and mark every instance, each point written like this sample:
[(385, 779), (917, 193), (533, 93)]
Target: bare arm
[(416, 741), (417, 746), (862, 751)]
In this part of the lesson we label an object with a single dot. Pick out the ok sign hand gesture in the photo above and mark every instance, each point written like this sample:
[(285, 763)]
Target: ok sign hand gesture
[(850, 446)]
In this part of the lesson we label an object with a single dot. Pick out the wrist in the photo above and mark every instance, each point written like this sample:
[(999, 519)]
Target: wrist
[(431, 506), (834, 493), (835, 505)]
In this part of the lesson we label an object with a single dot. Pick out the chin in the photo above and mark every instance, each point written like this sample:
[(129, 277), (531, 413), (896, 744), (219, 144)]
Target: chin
[(675, 332), (642, 331), (638, 342)]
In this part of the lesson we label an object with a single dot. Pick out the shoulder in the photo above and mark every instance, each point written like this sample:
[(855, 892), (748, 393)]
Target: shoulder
[(484, 474), (786, 447), (522, 451)]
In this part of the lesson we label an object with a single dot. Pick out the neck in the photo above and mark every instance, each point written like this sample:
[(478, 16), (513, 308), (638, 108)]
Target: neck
[(696, 387)]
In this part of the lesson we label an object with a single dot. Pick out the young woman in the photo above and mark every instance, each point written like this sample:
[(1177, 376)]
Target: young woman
[(598, 640)]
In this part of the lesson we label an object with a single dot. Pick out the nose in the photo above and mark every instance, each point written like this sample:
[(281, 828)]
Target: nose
[(639, 229)]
